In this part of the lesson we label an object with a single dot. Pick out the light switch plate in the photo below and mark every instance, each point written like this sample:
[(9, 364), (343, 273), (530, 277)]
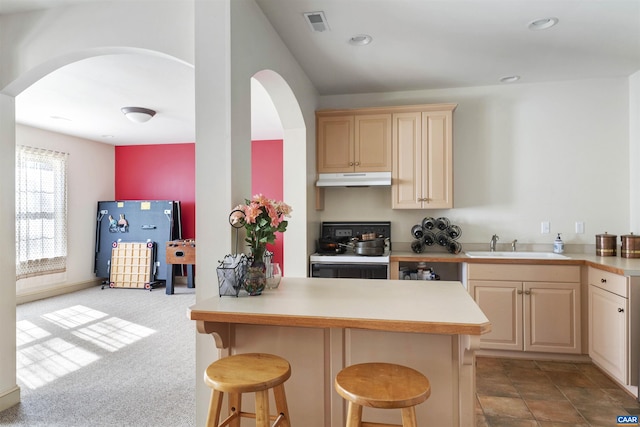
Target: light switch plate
[(579, 227)]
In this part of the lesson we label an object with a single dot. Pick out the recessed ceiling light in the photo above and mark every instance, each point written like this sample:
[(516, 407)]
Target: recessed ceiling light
[(509, 79), (542, 23), (360, 40), (60, 118)]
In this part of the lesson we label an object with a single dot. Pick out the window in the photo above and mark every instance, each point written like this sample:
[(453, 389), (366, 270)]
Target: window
[(41, 212)]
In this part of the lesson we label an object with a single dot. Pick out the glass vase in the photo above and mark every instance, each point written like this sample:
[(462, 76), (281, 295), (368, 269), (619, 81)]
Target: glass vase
[(274, 274), (256, 277), (255, 280)]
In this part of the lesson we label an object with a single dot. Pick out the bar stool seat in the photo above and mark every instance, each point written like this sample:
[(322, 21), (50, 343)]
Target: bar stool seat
[(382, 385), (248, 373)]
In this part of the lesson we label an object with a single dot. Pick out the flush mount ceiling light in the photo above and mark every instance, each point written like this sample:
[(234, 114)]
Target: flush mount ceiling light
[(360, 40), (509, 79), (542, 24), (138, 114)]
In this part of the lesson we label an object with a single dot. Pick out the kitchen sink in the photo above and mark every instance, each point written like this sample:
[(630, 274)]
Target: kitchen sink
[(515, 255)]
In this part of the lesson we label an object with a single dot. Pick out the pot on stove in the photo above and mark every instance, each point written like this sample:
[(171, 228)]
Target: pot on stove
[(329, 246), (370, 247)]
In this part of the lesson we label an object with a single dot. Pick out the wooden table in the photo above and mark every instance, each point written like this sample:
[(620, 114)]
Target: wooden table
[(322, 325)]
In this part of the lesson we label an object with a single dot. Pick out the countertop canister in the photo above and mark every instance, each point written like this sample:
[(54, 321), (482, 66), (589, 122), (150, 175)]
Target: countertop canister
[(606, 244), (630, 246)]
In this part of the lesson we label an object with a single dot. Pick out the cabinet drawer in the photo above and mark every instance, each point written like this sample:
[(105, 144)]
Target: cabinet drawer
[(609, 281), (524, 273)]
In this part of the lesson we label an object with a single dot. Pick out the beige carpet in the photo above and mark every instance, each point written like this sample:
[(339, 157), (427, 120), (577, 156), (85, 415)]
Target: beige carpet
[(112, 357)]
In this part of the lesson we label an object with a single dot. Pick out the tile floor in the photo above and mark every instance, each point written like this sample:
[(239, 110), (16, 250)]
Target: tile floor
[(518, 393)]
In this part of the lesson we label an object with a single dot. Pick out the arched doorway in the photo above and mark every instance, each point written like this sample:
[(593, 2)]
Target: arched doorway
[(82, 99), (8, 97), (266, 156), (293, 173)]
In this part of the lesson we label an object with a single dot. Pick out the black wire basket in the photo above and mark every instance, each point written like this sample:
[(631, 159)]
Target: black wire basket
[(232, 269)]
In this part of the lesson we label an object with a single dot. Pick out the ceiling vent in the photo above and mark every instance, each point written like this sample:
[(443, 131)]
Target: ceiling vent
[(316, 21)]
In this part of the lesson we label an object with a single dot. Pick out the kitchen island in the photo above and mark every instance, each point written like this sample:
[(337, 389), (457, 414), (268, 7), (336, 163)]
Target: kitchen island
[(322, 325)]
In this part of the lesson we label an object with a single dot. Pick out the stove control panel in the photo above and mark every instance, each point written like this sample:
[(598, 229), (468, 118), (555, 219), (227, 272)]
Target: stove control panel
[(346, 230)]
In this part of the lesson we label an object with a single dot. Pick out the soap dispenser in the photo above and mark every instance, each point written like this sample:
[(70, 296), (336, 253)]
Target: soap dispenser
[(558, 245)]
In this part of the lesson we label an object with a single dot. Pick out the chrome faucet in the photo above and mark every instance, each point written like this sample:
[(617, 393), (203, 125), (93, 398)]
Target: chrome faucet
[(492, 244), (513, 245)]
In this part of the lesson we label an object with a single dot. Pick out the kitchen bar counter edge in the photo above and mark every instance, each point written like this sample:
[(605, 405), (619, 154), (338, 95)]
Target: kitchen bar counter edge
[(340, 303), (612, 264)]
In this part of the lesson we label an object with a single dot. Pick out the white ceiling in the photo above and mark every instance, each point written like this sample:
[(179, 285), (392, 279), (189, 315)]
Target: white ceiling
[(84, 98), (417, 44), (431, 44)]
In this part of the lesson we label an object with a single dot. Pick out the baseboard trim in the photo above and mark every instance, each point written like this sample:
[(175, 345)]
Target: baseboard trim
[(558, 357), (10, 398), (52, 292)]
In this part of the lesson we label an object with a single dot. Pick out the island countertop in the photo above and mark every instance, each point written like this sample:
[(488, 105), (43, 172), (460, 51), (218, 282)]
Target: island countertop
[(385, 305)]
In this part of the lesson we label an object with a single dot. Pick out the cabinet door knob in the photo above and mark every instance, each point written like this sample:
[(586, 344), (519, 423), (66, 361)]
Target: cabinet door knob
[(357, 163), (350, 163), (603, 280), (527, 292), (519, 292), (621, 310)]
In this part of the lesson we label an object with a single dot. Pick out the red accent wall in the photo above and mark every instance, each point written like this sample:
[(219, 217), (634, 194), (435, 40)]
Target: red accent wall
[(159, 172), (266, 178)]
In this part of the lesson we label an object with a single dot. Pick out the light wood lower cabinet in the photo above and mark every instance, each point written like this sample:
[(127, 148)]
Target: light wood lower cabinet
[(531, 308), (613, 324), (608, 332)]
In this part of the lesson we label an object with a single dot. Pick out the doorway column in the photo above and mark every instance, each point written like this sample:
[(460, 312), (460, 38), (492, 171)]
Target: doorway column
[(9, 390)]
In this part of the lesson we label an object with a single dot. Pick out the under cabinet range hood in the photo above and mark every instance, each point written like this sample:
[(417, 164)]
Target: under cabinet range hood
[(354, 179)]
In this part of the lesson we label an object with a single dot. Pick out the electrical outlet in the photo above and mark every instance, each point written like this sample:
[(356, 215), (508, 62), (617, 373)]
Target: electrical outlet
[(545, 227), (579, 227)]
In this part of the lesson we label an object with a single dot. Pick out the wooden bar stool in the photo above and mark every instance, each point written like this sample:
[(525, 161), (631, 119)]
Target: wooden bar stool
[(382, 385), (248, 373)]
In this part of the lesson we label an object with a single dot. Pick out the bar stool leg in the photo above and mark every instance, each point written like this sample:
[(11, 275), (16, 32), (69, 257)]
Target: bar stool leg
[(235, 408), (215, 406), (354, 415), (262, 408), (281, 404), (409, 417)]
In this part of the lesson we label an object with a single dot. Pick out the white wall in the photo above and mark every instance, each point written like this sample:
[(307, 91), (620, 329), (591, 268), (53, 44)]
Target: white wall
[(44, 40), (634, 150), (523, 154), (90, 168)]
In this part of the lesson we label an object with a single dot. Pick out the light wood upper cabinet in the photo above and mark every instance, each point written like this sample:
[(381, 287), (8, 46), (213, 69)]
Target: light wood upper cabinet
[(373, 143), (353, 142), (422, 174)]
